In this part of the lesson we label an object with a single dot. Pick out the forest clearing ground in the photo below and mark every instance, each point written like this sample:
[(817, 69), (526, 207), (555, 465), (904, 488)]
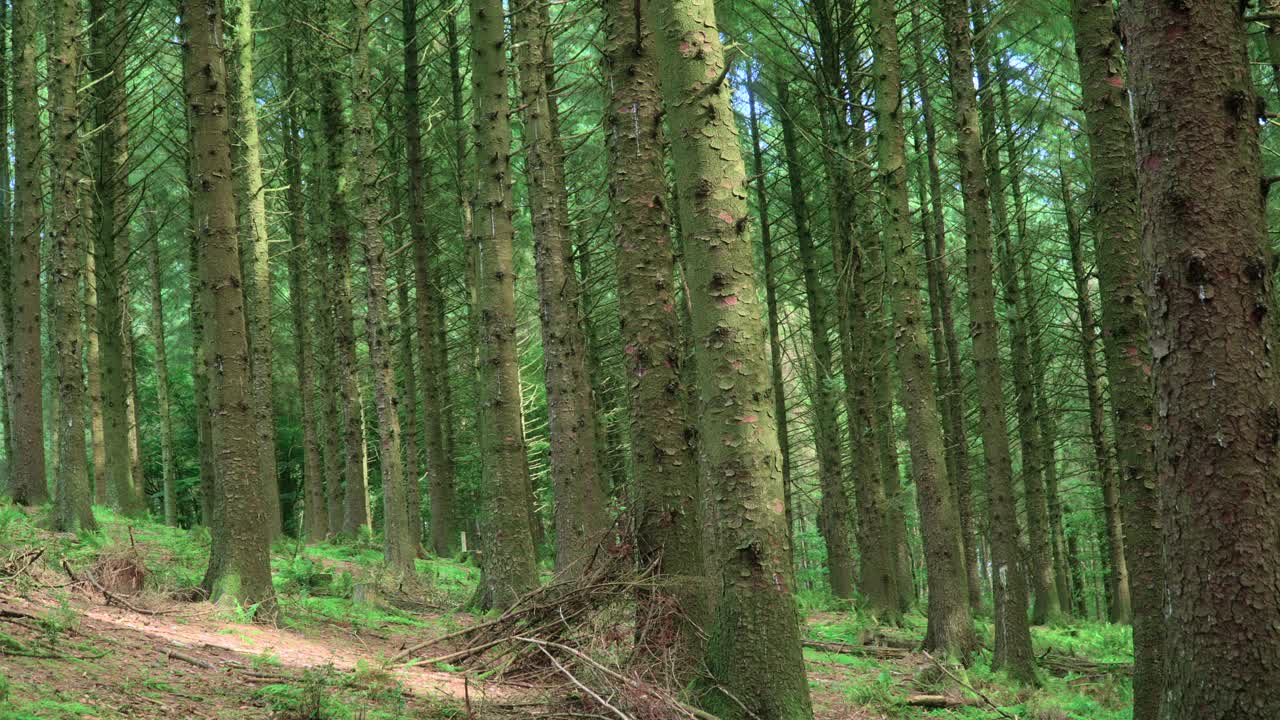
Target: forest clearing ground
[(327, 660)]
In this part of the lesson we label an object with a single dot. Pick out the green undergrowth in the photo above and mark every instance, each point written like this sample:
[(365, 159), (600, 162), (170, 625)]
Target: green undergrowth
[(884, 684), (365, 694)]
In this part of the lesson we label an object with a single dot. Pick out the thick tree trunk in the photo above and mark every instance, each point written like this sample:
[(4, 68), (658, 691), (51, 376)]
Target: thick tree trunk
[(581, 518), (509, 559), (1013, 638), (29, 483), (1120, 609), (93, 355), (669, 500), (6, 273), (754, 647), (73, 496), (242, 574), (1121, 274), (258, 287), (834, 516), (1213, 335)]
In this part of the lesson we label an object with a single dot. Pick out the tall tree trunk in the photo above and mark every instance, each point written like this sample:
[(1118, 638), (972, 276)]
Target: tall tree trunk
[(581, 518), (1121, 275), (950, 375), (754, 646), (242, 574), (29, 483), (1013, 638), (834, 516), (1212, 338), (669, 525), (315, 518), (509, 560), (73, 495), (6, 271), (93, 355), (258, 265), (1040, 561), (771, 302), (950, 622), (1120, 609), (355, 514), (169, 481), (107, 32), (399, 548), (410, 423)]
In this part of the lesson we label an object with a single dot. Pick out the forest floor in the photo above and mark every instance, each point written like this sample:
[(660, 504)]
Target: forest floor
[(69, 651)]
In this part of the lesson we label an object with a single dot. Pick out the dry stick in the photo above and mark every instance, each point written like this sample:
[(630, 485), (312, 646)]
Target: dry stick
[(621, 715), (969, 687), (175, 655), (110, 596)]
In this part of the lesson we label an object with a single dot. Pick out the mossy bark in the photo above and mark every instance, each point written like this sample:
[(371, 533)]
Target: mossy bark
[(668, 497), (509, 559), (73, 495), (243, 572), (754, 647)]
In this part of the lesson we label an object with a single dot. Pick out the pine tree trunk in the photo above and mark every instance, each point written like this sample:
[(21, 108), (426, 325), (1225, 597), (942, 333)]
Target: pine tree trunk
[(93, 353), (200, 379), (315, 518), (1120, 609), (1212, 338), (1121, 276), (509, 560), (581, 518), (399, 548), (6, 272), (242, 574), (29, 483), (834, 516), (950, 622), (73, 496), (754, 645), (112, 245), (771, 301), (668, 497), (258, 265), (410, 421), (1013, 638), (951, 381), (168, 471), (355, 507)]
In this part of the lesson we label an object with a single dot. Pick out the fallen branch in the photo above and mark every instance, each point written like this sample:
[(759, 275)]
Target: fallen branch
[(175, 655), (112, 598), (935, 701), (990, 703), (582, 686), (878, 651)]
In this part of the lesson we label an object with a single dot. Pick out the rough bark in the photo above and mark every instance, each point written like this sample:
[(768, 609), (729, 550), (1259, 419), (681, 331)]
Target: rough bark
[(112, 243), (1212, 312), (950, 380), (509, 560), (581, 518), (6, 271), (258, 287), (754, 646), (399, 549), (73, 495), (1013, 638), (429, 300), (1121, 275), (669, 500), (29, 483), (242, 574), (949, 613)]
